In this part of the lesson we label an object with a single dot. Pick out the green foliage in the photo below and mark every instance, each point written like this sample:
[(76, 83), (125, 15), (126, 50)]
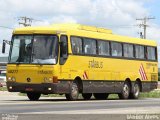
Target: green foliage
[(152, 94), (3, 88), (159, 76), (49, 95)]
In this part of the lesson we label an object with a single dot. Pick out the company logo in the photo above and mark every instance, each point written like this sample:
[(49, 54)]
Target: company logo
[(28, 79)]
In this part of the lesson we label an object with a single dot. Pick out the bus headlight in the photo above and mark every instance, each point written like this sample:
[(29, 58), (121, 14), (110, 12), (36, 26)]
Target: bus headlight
[(50, 79), (13, 79), (9, 79), (47, 80)]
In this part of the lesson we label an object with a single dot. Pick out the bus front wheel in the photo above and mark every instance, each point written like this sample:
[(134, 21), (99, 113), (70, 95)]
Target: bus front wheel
[(125, 91), (33, 96), (74, 92)]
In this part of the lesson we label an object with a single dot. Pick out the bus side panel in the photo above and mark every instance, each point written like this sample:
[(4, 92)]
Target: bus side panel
[(108, 77), (98, 87)]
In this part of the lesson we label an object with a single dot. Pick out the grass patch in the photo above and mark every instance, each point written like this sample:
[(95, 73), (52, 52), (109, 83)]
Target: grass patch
[(152, 94), (22, 94), (53, 95), (113, 96), (49, 95), (3, 88)]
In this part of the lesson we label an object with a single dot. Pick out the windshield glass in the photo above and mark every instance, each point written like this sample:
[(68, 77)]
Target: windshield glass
[(35, 49)]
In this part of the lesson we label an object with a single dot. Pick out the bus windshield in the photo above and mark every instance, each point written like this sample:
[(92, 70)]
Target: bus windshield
[(34, 49)]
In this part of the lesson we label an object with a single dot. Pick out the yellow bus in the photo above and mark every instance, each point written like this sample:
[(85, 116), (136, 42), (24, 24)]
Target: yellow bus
[(75, 59)]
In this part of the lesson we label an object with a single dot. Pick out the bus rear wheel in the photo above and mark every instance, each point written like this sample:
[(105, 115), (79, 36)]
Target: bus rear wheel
[(101, 96), (125, 91), (74, 92), (136, 90), (33, 96), (86, 96)]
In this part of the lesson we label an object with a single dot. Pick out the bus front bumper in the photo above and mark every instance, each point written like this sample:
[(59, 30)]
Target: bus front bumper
[(44, 88)]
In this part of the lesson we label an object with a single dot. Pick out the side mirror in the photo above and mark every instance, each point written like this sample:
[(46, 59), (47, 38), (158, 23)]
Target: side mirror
[(3, 46)]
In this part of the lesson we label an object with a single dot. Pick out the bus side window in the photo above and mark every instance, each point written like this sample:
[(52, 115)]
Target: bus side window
[(128, 50), (63, 49), (151, 53), (139, 49), (103, 48), (76, 43), (89, 46), (116, 49)]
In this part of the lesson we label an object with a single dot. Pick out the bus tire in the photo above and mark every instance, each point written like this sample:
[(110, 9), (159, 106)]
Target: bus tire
[(86, 96), (100, 96), (136, 90), (33, 96), (74, 92), (125, 91)]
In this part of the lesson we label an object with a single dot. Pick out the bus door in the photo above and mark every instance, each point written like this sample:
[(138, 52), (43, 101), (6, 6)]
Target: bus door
[(63, 55)]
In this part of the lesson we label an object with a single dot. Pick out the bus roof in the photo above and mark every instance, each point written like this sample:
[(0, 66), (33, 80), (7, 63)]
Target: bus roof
[(83, 30)]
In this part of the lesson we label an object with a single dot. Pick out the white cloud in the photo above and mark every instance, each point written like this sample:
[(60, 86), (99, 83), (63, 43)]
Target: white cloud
[(115, 14), (84, 11), (153, 31), (63, 19)]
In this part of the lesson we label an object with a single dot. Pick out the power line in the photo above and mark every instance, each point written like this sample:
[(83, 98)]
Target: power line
[(6, 27), (144, 25)]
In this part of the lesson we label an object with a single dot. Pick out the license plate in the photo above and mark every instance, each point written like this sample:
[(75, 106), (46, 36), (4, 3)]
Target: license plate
[(29, 89)]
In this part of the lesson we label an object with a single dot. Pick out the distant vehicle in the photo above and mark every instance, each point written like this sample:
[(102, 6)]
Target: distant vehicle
[(2, 78)]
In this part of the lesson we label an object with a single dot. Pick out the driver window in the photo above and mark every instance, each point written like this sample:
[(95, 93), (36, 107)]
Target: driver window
[(63, 49)]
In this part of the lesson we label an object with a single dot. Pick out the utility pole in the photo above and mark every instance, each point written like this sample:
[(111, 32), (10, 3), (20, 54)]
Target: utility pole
[(25, 21), (144, 25)]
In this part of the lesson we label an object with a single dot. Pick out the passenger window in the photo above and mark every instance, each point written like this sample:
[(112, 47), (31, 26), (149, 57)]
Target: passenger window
[(151, 53), (116, 49), (89, 46), (139, 52), (103, 48), (76, 45), (128, 50)]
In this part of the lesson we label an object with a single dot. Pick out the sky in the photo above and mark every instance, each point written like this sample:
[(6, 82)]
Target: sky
[(118, 15)]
